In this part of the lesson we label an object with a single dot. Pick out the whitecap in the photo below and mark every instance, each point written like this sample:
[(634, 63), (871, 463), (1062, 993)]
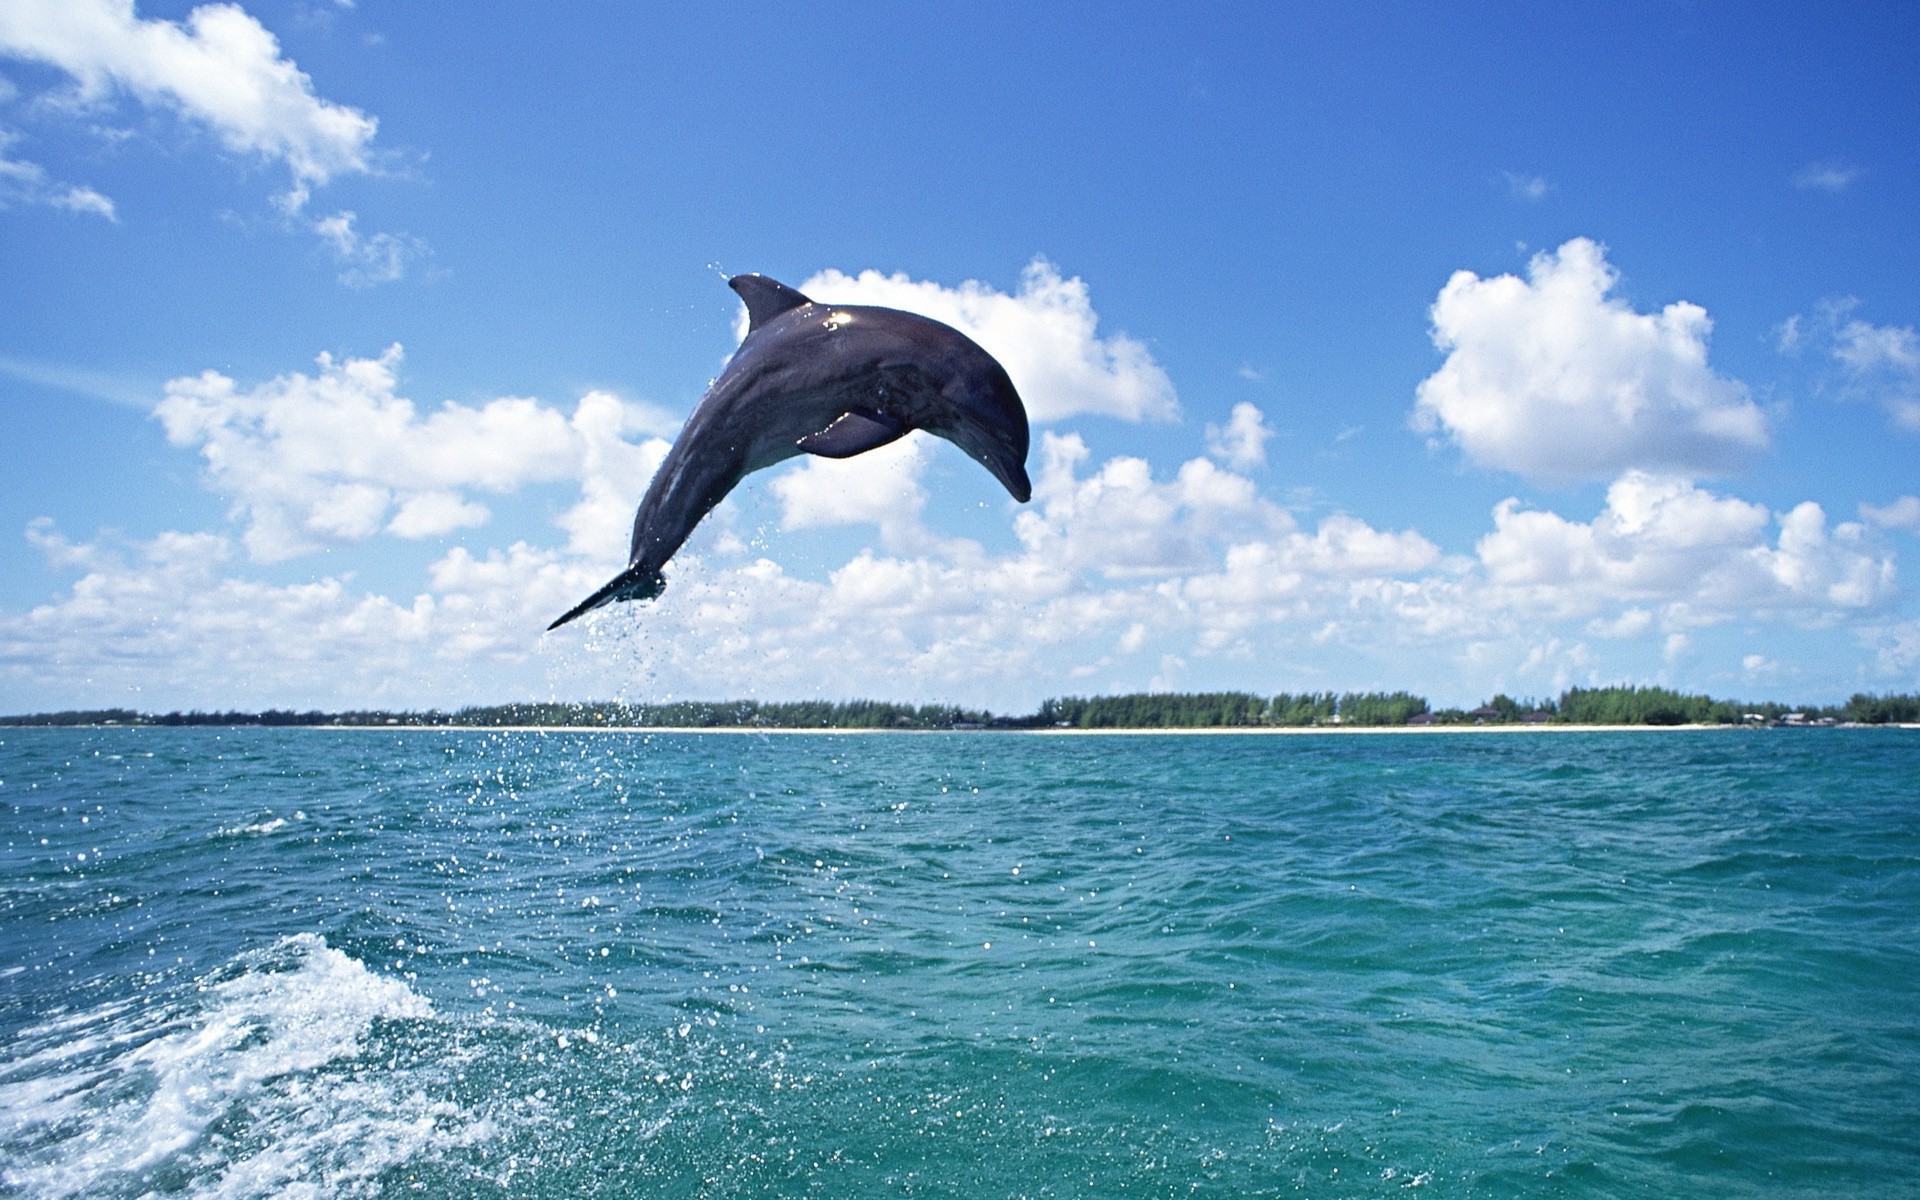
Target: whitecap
[(273, 826), (243, 1083)]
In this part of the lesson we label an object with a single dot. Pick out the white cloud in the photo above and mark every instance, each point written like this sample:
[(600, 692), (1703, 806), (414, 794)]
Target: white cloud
[(930, 620), (1118, 574), (1903, 513), (879, 488), (220, 68), (166, 623), (1826, 177), (1045, 335), (1122, 523), (429, 514), (613, 473), (366, 259), (1554, 378), (339, 456), (1242, 442), (1884, 361), (1527, 187), (1896, 648), (28, 183), (1863, 347), (1227, 580), (882, 485), (1630, 623), (1695, 556)]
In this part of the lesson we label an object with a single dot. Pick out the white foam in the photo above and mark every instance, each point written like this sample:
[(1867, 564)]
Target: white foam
[(273, 826), (102, 1099)]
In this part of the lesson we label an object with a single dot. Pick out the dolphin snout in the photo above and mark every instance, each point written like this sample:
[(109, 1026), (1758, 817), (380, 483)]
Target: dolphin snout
[(1013, 476)]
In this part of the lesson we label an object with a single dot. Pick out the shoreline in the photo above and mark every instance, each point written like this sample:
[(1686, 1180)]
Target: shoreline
[(1140, 731), (1200, 731)]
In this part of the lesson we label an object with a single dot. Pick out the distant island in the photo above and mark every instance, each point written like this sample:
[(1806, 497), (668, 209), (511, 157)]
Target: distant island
[(1144, 710)]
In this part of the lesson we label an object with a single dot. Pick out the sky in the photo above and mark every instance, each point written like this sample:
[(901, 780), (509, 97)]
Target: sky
[(1455, 348)]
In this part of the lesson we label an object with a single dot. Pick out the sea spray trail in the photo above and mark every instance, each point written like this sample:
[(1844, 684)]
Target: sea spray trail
[(267, 962)]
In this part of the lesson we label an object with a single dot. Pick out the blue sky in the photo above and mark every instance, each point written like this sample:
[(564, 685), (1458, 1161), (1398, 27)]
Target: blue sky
[(1453, 348)]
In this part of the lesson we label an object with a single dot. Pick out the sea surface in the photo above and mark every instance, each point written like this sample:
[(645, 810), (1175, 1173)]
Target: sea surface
[(308, 963)]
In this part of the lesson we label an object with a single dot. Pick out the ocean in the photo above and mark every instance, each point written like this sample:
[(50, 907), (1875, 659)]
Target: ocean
[(311, 963)]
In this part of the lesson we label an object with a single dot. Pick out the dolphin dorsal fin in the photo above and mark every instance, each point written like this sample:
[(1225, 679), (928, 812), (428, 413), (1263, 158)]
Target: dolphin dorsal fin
[(766, 298)]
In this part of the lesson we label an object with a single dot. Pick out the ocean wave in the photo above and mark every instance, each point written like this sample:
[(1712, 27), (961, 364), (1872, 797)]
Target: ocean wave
[(246, 1082)]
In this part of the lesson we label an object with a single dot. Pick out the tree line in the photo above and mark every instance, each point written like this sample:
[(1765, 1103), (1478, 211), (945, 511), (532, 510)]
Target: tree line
[(1141, 710)]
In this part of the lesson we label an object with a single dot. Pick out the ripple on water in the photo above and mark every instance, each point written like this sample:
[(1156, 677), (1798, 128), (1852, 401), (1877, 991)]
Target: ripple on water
[(519, 964)]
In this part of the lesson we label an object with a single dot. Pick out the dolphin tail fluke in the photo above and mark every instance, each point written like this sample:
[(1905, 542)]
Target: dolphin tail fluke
[(634, 583)]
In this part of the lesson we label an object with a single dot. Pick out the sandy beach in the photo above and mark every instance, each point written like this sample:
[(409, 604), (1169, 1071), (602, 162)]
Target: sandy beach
[(1203, 731)]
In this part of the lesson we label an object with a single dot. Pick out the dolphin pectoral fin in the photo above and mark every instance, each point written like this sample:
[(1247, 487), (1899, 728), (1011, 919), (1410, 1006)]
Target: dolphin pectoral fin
[(854, 432), (765, 298), (633, 583)]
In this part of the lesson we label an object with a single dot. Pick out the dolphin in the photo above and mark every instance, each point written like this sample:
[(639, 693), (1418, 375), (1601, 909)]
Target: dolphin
[(834, 380)]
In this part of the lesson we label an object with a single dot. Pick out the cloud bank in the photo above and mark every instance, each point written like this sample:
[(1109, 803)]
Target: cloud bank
[(1122, 573)]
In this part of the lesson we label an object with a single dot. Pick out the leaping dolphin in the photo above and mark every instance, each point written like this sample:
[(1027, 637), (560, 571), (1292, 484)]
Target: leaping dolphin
[(827, 379)]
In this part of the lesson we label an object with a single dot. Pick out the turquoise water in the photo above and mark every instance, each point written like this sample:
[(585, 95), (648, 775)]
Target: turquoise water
[(316, 963)]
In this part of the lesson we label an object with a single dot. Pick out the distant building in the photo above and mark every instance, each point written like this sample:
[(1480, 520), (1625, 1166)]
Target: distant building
[(1537, 717), (1425, 718), (1485, 713)]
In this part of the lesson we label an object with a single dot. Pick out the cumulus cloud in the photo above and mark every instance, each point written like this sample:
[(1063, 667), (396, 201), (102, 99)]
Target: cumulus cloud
[(166, 622), (1121, 522), (1242, 442), (1221, 579), (1117, 560), (1695, 556), (1119, 573), (613, 472), (220, 68), (879, 488), (339, 455), (1045, 335), (1555, 378)]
